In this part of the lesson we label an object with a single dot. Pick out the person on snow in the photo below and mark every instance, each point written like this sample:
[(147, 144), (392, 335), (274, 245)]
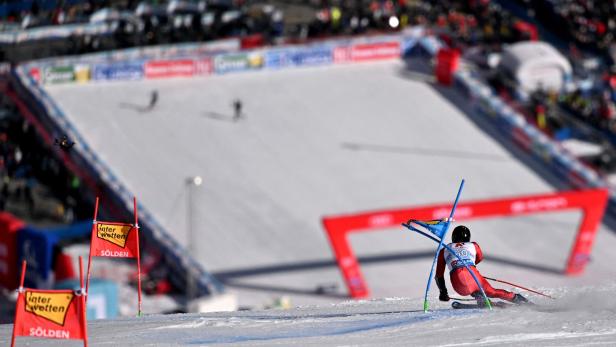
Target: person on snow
[(153, 99), (461, 280), (237, 109)]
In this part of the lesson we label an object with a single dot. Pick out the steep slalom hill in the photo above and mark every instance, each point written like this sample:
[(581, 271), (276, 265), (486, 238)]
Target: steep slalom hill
[(315, 142)]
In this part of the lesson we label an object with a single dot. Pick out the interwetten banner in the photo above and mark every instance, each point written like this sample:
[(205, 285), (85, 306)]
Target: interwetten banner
[(53, 314), (116, 240)]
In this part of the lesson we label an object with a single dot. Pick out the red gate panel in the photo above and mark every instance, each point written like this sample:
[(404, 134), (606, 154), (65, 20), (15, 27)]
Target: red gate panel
[(591, 202)]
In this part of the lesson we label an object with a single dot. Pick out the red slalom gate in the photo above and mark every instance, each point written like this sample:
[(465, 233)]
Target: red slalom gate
[(55, 314), (591, 202)]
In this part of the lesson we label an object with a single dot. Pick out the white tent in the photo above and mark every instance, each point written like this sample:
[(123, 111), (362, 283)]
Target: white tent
[(535, 64)]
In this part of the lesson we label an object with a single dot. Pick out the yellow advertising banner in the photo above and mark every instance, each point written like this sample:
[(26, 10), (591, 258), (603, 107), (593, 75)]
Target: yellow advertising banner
[(114, 233), (49, 305)]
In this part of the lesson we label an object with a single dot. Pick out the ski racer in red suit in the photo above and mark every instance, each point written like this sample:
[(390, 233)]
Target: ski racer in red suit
[(461, 280)]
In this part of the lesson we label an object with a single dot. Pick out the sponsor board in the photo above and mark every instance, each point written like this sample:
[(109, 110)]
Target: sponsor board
[(547, 204), (375, 51), (299, 57), (118, 240), (380, 220), (203, 67), (274, 59), (342, 54), (461, 212), (114, 233), (367, 52), (55, 314), (82, 73), (59, 74), (237, 62), (314, 56), (169, 68), (113, 254), (177, 68), (51, 306), (119, 71)]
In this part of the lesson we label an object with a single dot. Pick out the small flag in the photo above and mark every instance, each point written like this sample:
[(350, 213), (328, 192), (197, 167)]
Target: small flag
[(51, 314), (437, 227), (114, 240), (56, 314)]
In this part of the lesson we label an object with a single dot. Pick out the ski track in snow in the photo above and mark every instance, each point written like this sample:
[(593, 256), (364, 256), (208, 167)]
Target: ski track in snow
[(522, 338), (360, 323)]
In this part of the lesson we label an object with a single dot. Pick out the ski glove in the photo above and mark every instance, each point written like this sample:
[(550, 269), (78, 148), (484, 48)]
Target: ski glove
[(443, 295)]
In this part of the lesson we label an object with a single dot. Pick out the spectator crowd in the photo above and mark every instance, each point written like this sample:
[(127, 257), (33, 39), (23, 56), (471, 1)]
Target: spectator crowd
[(34, 185)]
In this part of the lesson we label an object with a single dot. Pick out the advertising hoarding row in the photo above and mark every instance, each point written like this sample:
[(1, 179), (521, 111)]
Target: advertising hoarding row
[(221, 63)]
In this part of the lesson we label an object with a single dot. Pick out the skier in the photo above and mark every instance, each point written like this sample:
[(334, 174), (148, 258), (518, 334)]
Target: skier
[(153, 99), (461, 280), (237, 109)]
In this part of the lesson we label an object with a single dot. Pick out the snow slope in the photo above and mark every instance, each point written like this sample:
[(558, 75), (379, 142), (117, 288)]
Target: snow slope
[(579, 317), (316, 142)]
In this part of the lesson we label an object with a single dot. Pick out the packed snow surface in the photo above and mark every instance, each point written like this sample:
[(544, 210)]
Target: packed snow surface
[(316, 142), (578, 317)]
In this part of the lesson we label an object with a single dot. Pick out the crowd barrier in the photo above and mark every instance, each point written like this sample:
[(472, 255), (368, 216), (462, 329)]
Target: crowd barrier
[(514, 126), (223, 58), (219, 57)]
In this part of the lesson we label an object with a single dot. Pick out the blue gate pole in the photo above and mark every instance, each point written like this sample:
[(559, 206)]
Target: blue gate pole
[(440, 245)]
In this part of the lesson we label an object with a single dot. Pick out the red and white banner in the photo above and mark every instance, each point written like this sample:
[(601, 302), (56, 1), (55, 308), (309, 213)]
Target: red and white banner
[(203, 67), (177, 68), (116, 240), (53, 314), (591, 202), (367, 52)]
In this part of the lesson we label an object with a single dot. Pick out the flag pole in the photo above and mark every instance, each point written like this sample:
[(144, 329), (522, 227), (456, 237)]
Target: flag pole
[(138, 258), (440, 245), (20, 293), (90, 253), (84, 322)]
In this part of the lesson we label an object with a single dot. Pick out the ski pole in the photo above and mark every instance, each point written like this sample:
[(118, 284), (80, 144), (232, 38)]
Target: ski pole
[(518, 286)]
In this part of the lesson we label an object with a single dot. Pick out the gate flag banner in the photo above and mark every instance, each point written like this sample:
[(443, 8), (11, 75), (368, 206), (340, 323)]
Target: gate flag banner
[(437, 227), (54, 314), (116, 240)]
